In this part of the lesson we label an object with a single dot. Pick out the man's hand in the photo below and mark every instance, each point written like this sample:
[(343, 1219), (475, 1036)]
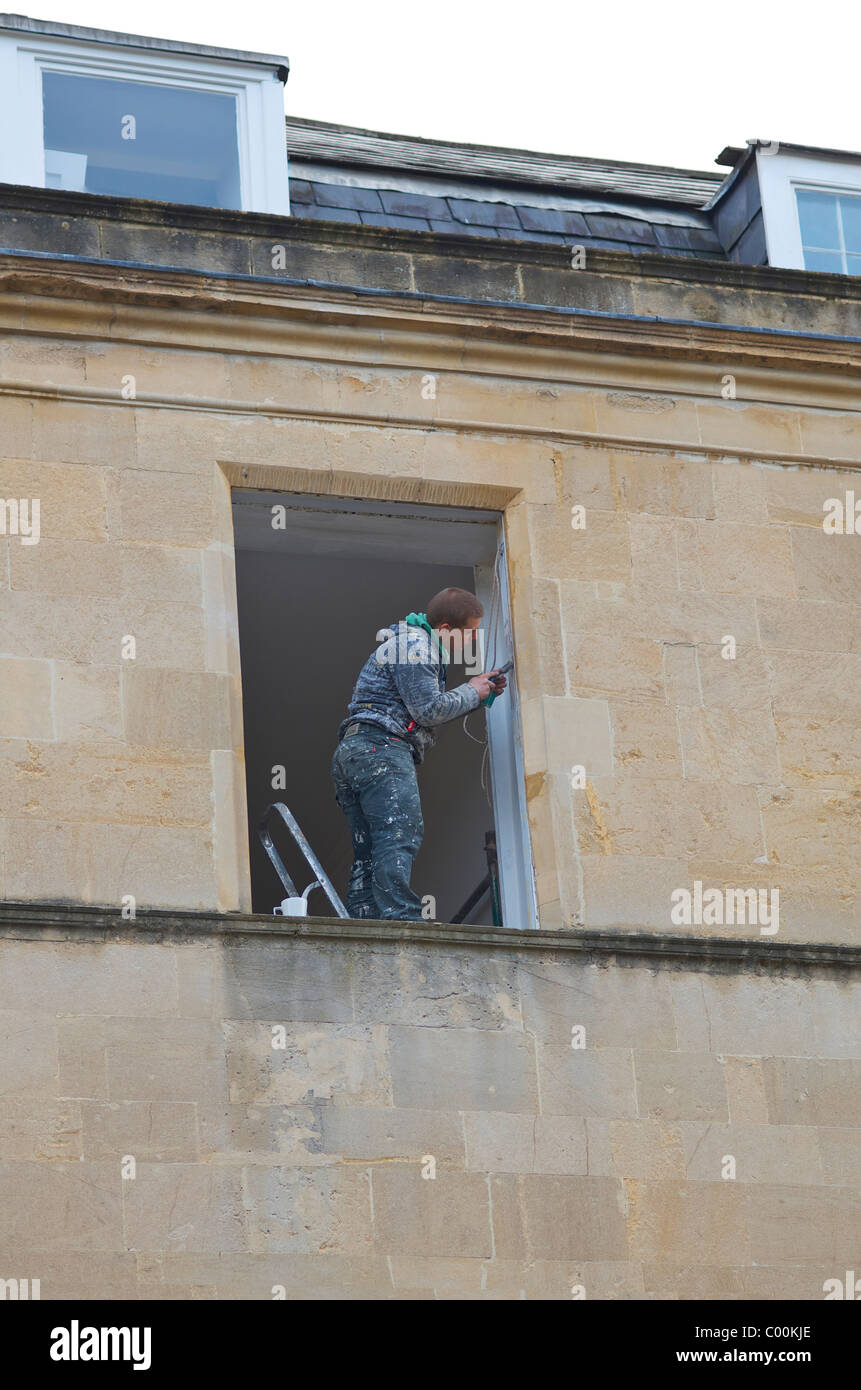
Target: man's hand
[(491, 683)]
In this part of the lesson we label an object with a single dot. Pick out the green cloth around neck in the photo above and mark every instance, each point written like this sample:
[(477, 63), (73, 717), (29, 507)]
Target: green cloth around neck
[(421, 620)]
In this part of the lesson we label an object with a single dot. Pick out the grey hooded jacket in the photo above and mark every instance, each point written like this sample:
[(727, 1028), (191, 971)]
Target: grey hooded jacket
[(403, 682)]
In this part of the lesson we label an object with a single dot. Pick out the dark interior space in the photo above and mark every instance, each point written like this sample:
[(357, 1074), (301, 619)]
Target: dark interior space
[(311, 599)]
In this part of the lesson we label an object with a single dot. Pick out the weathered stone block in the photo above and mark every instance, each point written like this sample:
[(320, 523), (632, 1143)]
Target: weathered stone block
[(462, 1069), (324, 1211), (498, 1143), (365, 1132), (738, 559), (39, 1129), (64, 432), (747, 1016), (28, 1052), (680, 1086), (177, 709), (160, 508), (827, 567), (813, 1090), (184, 1206), (839, 1155), (630, 890), (599, 666), (616, 1007), (577, 731), (740, 424), (600, 550), (762, 1153), (738, 747), (339, 1062), (66, 568), (629, 416), (158, 865), (745, 1090), (583, 1082), (646, 740), (164, 1060), (46, 978), (797, 496), (87, 702), (797, 1225), (740, 492), (445, 1216), (662, 487), (71, 498), (816, 829), (62, 1206), (283, 982), (264, 1134), (26, 702), (152, 1132), (703, 1223), (566, 1218), (809, 625), (97, 784), (682, 674), (647, 1150), (421, 987), (654, 552), (626, 815)]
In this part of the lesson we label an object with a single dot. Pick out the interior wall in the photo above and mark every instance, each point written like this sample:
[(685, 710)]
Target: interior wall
[(307, 625)]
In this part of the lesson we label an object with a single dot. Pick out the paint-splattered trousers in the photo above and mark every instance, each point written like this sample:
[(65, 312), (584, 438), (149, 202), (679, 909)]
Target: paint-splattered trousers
[(377, 789)]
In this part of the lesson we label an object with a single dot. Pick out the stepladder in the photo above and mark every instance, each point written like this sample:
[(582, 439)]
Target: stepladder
[(295, 904)]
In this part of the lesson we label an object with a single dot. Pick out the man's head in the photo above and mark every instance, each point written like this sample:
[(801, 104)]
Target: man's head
[(455, 611)]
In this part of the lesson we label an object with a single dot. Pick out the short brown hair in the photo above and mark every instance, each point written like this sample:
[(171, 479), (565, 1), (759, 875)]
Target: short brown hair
[(455, 607)]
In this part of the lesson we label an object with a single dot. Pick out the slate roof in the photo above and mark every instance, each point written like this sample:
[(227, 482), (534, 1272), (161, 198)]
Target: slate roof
[(336, 144), (345, 174)]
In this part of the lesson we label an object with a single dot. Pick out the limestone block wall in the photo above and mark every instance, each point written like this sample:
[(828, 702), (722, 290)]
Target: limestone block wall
[(697, 651), (702, 522), (281, 1093)]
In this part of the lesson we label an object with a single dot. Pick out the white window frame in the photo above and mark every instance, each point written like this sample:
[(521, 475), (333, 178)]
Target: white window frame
[(438, 528), (780, 177), (259, 106), (508, 782)]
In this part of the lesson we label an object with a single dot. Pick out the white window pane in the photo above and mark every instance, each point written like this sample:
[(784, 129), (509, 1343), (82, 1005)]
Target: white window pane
[(817, 213), (140, 140), (823, 260), (850, 209)]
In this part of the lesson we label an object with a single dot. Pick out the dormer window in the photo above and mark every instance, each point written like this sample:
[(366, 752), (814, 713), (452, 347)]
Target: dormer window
[(140, 140), (830, 230), (811, 205), (123, 116)]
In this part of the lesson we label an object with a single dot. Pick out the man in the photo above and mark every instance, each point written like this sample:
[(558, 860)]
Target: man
[(398, 700)]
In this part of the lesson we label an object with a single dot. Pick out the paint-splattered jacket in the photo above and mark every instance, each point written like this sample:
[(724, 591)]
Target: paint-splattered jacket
[(403, 682)]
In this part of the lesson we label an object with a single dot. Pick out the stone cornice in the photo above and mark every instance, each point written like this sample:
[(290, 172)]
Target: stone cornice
[(171, 288), (103, 925), (181, 309)]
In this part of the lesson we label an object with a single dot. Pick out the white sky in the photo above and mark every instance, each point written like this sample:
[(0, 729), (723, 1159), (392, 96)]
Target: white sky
[(660, 81)]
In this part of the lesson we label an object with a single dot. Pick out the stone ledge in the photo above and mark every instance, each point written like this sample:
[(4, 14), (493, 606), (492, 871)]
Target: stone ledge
[(102, 925), (90, 210)]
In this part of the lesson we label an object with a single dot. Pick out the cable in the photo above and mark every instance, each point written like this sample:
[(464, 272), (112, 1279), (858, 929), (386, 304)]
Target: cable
[(489, 665)]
